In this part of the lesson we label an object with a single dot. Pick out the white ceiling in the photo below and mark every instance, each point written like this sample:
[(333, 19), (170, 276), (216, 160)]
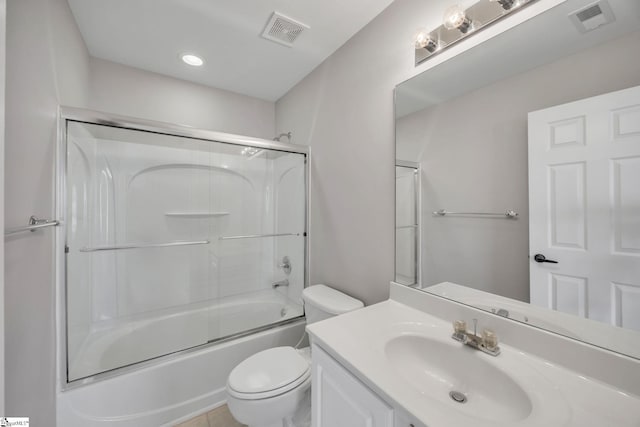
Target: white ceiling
[(151, 34)]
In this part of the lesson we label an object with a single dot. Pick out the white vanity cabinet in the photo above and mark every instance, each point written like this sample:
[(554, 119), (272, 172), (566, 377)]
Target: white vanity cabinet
[(403, 419), (342, 400)]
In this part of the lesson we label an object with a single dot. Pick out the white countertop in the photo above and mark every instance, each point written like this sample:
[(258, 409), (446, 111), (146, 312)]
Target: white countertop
[(559, 397)]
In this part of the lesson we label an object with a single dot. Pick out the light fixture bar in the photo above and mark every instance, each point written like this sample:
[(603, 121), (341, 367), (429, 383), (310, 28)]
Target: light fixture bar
[(459, 23)]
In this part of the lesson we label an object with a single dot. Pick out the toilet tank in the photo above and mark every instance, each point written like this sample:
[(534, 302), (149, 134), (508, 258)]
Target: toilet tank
[(322, 302)]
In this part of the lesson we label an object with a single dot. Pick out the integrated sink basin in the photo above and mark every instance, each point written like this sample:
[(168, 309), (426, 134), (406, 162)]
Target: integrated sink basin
[(408, 359), (464, 379)]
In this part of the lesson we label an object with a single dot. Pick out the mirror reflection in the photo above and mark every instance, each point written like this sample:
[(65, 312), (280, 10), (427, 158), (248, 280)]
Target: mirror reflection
[(407, 213), (527, 156)]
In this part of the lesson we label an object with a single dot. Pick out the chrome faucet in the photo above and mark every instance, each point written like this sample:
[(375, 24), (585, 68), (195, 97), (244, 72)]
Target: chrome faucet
[(487, 342), (284, 282)]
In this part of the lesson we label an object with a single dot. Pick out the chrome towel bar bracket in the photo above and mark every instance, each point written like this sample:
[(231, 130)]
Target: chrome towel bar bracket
[(35, 223)]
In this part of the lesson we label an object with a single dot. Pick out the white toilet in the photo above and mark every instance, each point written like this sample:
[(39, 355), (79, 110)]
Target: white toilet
[(272, 387)]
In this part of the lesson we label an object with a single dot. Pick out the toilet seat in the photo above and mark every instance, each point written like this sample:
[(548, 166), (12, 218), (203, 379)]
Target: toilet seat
[(268, 373)]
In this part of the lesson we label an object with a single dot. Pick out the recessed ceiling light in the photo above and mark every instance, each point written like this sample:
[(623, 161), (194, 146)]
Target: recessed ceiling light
[(193, 60)]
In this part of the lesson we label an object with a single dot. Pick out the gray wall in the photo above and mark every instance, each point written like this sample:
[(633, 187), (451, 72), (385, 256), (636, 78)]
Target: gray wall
[(344, 111), (3, 24), (473, 154), (48, 66), (128, 91)]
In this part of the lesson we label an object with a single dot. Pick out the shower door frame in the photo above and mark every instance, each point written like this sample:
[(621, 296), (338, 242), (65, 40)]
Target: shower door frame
[(67, 114), (418, 225)]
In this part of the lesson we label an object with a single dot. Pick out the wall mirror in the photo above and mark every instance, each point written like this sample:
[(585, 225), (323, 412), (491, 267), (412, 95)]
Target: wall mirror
[(517, 171)]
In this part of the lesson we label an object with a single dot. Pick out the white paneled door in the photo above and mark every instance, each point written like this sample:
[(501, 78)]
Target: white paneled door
[(584, 202)]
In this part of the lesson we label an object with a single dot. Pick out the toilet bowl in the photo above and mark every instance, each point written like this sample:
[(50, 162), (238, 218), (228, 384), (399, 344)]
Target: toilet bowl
[(272, 387)]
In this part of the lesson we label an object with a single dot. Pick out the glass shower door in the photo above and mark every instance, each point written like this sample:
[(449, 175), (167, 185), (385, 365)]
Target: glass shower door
[(173, 242), (264, 200)]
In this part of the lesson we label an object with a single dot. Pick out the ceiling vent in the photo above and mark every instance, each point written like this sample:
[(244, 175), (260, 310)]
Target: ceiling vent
[(282, 29), (592, 16)]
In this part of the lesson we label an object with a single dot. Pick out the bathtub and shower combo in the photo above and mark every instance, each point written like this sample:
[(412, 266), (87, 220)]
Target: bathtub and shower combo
[(180, 253)]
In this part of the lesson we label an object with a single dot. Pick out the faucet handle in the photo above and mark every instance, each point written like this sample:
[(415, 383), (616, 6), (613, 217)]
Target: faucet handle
[(285, 265), (459, 326), (489, 339)]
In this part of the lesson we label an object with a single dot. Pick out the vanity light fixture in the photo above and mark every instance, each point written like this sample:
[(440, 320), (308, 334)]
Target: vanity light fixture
[(460, 23), (191, 59)]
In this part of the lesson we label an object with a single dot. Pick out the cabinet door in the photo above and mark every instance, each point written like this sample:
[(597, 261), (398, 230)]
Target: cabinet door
[(341, 400), (406, 420)]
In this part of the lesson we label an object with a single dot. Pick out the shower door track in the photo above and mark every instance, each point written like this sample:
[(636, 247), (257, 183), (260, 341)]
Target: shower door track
[(123, 122)]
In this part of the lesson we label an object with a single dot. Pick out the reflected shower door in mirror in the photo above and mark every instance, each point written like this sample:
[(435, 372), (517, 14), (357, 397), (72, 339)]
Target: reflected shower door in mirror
[(172, 242), (407, 225), (548, 128)]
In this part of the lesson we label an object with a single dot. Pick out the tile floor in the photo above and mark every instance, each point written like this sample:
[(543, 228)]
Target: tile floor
[(219, 417)]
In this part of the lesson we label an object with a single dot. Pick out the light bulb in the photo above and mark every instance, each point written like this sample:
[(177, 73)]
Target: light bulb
[(425, 41), (454, 17), (421, 39)]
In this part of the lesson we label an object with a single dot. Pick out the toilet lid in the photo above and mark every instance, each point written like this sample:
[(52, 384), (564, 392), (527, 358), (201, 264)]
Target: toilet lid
[(329, 300), (269, 371)]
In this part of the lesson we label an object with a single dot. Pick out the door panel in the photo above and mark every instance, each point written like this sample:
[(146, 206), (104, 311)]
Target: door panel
[(626, 203), (567, 205)]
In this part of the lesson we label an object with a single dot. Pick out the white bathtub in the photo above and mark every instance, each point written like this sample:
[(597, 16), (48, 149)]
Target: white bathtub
[(175, 387)]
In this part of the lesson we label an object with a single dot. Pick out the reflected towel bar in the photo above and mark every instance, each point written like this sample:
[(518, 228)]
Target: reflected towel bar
[(34, 224), (254, 236), (509, 214), (144, 245), (400, 227)]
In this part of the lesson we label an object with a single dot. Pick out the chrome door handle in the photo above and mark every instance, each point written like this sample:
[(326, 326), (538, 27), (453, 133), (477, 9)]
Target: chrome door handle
[(542, 258)]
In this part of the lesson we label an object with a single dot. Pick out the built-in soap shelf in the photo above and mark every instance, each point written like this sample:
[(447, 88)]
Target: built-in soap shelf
[(195, 214)]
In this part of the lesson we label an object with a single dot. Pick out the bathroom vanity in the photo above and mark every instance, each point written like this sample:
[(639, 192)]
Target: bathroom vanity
[(395, 364)]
